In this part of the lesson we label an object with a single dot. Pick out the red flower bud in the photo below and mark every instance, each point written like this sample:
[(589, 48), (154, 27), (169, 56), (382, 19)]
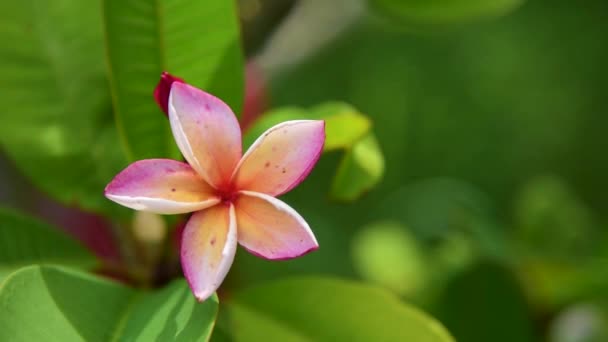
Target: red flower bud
[(161, 92), (256, 95)]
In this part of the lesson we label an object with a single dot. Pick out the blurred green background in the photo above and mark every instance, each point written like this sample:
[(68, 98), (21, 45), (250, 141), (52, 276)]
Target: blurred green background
[(491, 116)]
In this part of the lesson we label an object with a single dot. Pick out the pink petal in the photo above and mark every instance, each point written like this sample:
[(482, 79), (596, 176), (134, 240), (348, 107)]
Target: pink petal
[(208, 247), (281, 158), (161, 186), (162, 90), (207, 133), (271, 229)]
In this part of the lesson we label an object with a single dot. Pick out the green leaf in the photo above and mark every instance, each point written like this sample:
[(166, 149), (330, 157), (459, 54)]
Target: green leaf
[(317, 309), (344, 125), (443, 11), (360, 170), (58, 127), (55, 304), (388, 254), (25, 241), (196, 40), (346, 129)]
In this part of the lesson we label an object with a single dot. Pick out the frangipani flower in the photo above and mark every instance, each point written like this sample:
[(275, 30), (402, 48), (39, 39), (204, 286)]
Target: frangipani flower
[(231, 195)]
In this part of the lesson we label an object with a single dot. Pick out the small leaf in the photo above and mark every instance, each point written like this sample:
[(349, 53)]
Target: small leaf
[(25, 241), (344, 124), (443, 11), (195, 40), (317, 309), (361, 168), (55, 304), (346, 129)]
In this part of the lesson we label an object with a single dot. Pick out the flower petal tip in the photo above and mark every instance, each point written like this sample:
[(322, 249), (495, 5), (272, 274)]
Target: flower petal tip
[(111, 190), (208, 248), (162, 186), (203, 296), (200, 294), (321, 133), (318, 143), (310, 250), (272, 230), (162, 90), (281, 257), (282, 157), (206, 131)]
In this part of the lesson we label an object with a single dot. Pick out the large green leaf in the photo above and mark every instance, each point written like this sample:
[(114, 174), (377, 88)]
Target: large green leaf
[(346, 129), (57, 124), (25, 241), (443, 11), (197, 40), (57, 304), (317, 309)]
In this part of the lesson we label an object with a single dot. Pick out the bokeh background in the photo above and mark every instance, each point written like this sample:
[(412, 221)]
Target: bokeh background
[(491, 213)]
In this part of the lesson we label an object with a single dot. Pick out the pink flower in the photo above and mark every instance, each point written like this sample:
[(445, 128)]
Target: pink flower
[(232, 195)]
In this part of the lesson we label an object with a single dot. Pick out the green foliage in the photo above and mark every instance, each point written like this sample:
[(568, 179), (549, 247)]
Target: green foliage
[(438, 208), (561, 249), (57, 127), (483, 300), (551, 284), (346, 129), (195, 40), (25, 241), (474, 103), (344, 125), (552, 221), (359, 171), (464, 122), (442, 11), (52, 61), (318, 309), (57, 304), (386, 253)]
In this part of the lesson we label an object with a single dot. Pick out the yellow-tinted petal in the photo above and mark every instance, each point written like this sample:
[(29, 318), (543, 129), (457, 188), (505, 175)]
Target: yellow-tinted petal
[(208, 247), (281, 158), (161, 186), (206, 132), (269, 228)]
